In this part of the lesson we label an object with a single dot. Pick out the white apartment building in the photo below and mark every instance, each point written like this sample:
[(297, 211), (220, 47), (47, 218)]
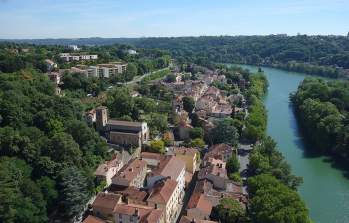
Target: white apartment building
[(100, 70), (77, 57)]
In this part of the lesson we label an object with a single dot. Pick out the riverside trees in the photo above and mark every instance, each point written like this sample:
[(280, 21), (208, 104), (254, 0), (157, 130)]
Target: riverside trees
[(322, 109)]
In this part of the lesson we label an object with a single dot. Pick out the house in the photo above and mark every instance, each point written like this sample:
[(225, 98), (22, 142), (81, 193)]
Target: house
[(199, 206), (186, 219), (220, 151), (152, 159), (104, 205), (206, 103), (121, 132), (221, 111), (166, 194), (130, 213), (132, 174), (93, 219), (233, 190), (217, 175), (189, 156), (55, 77), (130, 195), (108, 169), (50, 64), (168, 166)]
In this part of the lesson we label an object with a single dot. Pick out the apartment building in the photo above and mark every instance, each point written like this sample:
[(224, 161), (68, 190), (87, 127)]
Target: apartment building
[(132, 174), (168, 166), (77, 57), (166, 194)]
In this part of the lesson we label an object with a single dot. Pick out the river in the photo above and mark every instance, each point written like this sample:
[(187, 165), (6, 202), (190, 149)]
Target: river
[(325, 189)]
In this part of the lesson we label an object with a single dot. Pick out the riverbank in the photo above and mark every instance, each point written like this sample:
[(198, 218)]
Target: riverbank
[(325, 189)]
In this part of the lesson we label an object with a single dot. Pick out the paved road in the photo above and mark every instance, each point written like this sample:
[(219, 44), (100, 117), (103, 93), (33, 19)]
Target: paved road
[(244, 152)]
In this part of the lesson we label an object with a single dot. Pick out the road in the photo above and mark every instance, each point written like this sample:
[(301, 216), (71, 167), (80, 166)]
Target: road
[(243, 156)]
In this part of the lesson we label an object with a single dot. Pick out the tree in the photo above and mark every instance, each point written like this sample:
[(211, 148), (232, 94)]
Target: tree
[(196, 132), (63, 148), (224, 132), (273, 202), (21, 198), (170, 78), (74, 192), (157, 146), (233, 164), (120, 102), (131, 71), (195, 121), (188, 104), (229, 211), (197, 143), (48, 189)]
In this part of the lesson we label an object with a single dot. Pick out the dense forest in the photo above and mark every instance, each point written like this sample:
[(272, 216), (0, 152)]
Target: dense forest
[(322, 109), (322, 55), (48, 153)]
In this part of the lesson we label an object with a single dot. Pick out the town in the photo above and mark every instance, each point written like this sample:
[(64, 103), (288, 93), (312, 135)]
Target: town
[(171, 176)]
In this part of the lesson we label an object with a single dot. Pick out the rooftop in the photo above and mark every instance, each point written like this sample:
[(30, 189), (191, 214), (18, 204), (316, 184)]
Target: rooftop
[(162, 191), (124, 123), (148, 155), (169, 166), (93, 219), (186, 219), (106, 201), (103, 168), (131, 170)]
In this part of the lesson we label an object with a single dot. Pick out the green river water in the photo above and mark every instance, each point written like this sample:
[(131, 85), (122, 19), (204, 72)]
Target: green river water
[(325, 188)]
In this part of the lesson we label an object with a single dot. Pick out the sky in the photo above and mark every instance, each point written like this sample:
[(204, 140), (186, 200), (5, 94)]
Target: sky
[(154, 18)]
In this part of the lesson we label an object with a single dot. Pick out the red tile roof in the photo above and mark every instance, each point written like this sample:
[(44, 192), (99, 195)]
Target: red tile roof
[(186, 219), (148, 155), (169, 166), (131, 170), (162, 191), (106, 201), (93, 219)]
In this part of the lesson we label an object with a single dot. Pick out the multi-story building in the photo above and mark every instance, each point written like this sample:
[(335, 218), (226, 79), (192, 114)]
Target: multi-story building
[(108, 70), (132, 174), (168, 166), (187, 155), (77, 57), (166, 194)]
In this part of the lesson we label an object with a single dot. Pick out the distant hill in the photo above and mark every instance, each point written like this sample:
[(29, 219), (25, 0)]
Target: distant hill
[(78, 41), (322, 55)]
